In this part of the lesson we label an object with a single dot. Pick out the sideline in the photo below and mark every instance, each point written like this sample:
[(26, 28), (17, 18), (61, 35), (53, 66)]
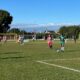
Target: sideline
[(63, 67)]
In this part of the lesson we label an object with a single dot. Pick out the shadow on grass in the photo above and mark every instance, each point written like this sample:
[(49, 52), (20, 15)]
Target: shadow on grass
[(16, 57), (11, 53)]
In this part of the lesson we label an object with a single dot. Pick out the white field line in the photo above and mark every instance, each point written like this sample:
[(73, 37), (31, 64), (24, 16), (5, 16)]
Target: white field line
[(61, 59), (63, 67)]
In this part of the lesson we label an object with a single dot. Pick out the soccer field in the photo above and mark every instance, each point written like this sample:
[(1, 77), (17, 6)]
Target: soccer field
[(35, 61)]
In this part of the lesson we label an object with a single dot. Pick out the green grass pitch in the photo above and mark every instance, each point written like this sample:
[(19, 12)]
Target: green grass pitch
[(19, 62)]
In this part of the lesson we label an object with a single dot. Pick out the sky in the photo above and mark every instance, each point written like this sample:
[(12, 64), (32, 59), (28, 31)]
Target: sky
[(43, 11)]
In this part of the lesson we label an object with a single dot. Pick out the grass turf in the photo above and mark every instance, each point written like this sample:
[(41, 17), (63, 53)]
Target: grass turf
[(18, 62)]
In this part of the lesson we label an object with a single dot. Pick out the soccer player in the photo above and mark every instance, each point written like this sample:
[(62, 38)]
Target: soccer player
[(21, 39), (62, 42), (5, 38), (49, 40)]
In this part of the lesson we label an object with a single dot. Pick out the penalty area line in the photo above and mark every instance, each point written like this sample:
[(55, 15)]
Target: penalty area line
[(63, 67)]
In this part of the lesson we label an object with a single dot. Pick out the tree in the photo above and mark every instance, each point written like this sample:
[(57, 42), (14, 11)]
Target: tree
[(17, 31), (76, 33), (64, 30), (14, 30), (70, 31), (5, 21)]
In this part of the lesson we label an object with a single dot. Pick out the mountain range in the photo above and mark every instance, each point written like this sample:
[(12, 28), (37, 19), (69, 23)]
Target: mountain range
[(36, 27)]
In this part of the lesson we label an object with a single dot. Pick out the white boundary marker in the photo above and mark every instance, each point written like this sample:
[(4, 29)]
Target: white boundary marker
[(63, 67)]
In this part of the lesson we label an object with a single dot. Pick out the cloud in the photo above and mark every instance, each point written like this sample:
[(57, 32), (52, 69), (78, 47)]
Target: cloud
[(40, 25)]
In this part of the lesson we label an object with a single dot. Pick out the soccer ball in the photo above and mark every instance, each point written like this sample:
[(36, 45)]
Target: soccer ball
[(58, 50)]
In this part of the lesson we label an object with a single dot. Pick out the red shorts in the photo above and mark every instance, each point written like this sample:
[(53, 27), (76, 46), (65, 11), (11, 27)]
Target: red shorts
[(50, 43)]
